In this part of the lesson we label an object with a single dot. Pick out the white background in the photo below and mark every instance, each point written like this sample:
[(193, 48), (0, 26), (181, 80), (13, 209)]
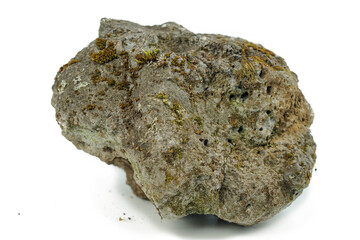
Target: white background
[(51, 190)]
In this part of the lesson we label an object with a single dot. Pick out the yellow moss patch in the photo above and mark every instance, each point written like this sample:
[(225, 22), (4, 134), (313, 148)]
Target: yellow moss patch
[(257, 48), (106, 55), (147, 56), (101, 43), (71, 62), (161, 95)]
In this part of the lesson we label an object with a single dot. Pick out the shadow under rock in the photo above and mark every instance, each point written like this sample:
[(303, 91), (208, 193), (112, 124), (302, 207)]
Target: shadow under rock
[(200, 226)]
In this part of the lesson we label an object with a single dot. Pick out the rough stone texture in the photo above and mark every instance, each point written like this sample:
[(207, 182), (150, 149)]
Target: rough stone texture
[(201, 123)]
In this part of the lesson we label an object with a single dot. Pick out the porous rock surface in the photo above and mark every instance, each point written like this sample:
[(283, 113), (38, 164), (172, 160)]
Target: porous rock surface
[(201, 123)]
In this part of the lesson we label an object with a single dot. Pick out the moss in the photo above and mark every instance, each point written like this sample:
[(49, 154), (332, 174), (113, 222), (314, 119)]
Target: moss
[(71, 62), (263, 61), (256, 47), (199, 121), (110, 82), (123, 105), (178, 62), (240, 164), (147, 56), (172, 155), (247, 70), (106, 55), (161, 95), (123, 53), (123, 85), (168, 177), (100, 43), (175, 109), (90, 106)]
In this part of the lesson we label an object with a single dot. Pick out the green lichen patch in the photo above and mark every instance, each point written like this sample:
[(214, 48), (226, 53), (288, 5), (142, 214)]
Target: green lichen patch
[(106, 55), (147, 56)]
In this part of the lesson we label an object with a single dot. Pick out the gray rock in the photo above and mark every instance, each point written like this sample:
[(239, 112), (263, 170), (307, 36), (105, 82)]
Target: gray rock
[(202, 123)]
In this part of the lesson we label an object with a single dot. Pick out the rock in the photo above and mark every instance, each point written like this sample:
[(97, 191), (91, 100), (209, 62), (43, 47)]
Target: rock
[(201, 123)]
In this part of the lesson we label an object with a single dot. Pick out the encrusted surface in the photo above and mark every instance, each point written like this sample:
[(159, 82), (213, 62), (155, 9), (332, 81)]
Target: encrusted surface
[(205, 124)]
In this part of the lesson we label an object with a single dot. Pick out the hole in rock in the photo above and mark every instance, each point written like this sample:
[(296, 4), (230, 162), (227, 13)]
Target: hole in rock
[(268, 90), (244, 96), (262, 73), (232, 97)]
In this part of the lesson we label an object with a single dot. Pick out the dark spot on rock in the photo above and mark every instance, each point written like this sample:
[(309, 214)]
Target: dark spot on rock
[(244, 96), (268, 90), (268, 112), (262, 73), (260, 129), (240, 129), (108, 149), (206, 142)]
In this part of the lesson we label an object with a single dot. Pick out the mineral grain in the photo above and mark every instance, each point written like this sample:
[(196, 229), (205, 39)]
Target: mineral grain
[(201, 123)]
